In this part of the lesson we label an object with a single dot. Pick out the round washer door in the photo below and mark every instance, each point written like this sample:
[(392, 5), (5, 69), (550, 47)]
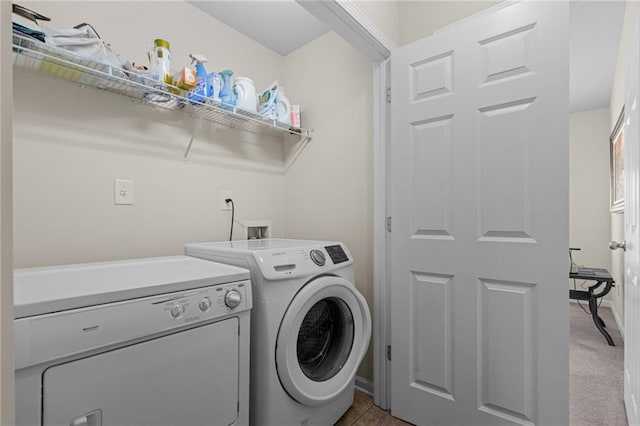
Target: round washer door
[(322, 339)]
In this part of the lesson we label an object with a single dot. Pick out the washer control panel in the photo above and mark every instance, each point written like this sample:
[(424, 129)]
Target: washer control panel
[(300, 261)]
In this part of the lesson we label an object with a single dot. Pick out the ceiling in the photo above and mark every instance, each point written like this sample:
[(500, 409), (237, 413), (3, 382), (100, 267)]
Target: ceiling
[(283, 26), (595, 34)]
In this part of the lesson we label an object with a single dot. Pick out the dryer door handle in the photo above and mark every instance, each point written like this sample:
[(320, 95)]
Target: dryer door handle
[(92, 418)]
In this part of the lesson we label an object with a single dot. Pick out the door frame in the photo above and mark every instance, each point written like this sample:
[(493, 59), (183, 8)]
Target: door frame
[(346, 19), (6, 218)]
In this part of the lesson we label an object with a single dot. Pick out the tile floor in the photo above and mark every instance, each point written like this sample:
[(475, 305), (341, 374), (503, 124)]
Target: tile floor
[(364, 413)]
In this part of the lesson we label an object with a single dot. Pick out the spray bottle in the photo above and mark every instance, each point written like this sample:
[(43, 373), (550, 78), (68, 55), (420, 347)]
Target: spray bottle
[(226, 93), (201, 92)]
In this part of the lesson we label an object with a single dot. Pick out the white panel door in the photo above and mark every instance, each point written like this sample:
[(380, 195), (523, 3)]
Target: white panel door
[(479, 194), (632, 237)]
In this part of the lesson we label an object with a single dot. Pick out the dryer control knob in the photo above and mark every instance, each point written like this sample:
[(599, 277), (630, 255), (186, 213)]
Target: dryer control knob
[(205, 304), (177, 311), (232, 298), (318, 257)]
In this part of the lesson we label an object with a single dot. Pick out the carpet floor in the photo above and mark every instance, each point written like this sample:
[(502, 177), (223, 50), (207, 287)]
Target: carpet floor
[(596, 394)]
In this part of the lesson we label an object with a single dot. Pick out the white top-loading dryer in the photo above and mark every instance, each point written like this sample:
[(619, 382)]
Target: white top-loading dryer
[(160, 341), (310, 327)]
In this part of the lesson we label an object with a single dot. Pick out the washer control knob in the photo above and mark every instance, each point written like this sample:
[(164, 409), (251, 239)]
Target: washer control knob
[(205, 304), (318, 257), (232, 298), (177, 311)]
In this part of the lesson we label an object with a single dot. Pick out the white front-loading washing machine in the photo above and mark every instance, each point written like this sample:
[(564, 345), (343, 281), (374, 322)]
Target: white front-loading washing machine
[(161, 341), (310, 327)]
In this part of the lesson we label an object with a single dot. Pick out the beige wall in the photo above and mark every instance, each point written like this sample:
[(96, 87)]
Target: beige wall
[(419, 19), (407, 21), (615, 106), (590, 220), (6, 249), (385, 14), (71, 143), (330, 187)]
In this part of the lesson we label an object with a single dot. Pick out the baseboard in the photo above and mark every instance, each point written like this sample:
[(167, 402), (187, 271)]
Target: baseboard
[(607, 304), (364, 385)]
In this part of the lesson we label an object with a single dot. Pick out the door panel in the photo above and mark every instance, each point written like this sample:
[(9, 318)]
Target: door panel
[(479, 194), (432, 325), (431, 142), (506, 342), (504, 204)]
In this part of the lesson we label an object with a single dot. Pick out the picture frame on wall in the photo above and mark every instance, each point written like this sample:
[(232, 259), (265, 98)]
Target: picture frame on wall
[(616, 161)]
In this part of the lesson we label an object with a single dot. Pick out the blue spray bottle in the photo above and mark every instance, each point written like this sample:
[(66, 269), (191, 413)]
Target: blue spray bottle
[(226, 94), (200, 93)]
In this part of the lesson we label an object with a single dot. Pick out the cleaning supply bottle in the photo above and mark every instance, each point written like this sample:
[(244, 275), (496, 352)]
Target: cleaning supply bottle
[(215, 84), (201, 92), (226, 92)]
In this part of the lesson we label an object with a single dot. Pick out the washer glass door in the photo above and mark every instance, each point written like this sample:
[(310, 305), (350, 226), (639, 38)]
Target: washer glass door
[(322, 339), (325, 339)]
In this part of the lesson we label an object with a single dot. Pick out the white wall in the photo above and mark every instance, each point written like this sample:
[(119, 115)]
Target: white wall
[(71, 142), (6, 249), (590, 220), (330, 187), (615, 106)]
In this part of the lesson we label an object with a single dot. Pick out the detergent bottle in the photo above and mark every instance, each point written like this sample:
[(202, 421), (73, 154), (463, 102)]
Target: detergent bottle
[(226, 92), (201, 92)]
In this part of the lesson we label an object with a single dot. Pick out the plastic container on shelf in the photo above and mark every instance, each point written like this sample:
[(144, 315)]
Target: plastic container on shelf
[(160, 60), (245, 94), (226, 93), (283, 107)]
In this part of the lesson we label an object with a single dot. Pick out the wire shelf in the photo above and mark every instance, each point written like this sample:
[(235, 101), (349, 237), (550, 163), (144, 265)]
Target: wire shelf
[(34, 55)]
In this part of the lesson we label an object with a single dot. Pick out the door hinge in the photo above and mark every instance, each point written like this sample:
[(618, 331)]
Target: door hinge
[(389, 352), (388, 222), (388, 95)]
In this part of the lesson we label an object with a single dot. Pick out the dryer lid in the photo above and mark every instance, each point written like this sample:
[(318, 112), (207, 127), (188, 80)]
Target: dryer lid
[(59, 288)]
